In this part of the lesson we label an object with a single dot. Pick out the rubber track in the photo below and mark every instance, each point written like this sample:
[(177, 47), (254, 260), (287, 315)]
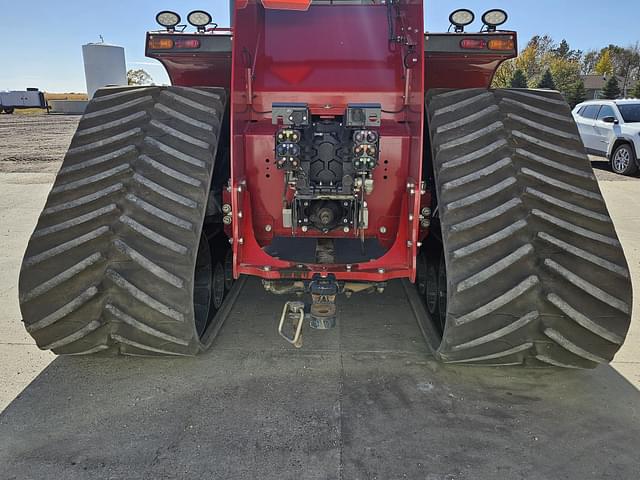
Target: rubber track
[(110, 265), (536, 273)]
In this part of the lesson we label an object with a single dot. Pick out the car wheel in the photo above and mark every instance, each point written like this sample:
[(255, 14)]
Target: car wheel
[(623, 160)]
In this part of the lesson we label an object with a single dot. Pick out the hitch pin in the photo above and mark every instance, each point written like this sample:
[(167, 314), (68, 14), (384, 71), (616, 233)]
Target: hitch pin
[(291, 311)]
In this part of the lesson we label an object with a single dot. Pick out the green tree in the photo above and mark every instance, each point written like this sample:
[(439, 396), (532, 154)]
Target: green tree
[(547, 81), (519, 80), (565, 73), (139, 77), (611, 90), (502, 77), (635, 93), (576, 94), (564, 51)]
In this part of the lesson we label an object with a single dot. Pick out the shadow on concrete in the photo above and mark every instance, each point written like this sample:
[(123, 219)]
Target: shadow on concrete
[(601, 164), (603, 171), (364, 401)]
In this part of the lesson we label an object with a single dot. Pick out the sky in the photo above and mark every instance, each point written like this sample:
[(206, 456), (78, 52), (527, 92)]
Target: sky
[(41, 39)]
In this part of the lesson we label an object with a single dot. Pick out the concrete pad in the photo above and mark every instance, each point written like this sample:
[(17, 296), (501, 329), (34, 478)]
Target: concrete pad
[(623, 201), (21, 364), (349, 407), (364, 401)]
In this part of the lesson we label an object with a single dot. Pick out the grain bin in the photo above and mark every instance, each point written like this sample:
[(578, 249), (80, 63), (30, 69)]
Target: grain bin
[(103, 65)]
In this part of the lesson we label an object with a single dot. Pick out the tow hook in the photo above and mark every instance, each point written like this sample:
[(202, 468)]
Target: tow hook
[(291, 323), (323, 303)]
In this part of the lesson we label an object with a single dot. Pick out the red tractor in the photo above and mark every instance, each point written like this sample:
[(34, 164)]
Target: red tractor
[(329, 147)]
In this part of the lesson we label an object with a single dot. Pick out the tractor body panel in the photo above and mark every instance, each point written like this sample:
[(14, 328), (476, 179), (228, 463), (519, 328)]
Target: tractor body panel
[(328, 56), (291, 57)]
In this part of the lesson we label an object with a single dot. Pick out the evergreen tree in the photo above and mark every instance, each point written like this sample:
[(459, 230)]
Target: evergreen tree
[(577, 94), (519, 80), (547, 82), (611, 90), (635, 93)]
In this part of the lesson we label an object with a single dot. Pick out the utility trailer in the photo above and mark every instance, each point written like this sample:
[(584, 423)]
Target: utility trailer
[(328, 148), (29, 98)]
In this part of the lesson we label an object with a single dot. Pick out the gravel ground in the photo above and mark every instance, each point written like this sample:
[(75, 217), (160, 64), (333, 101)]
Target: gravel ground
[(34, 143)]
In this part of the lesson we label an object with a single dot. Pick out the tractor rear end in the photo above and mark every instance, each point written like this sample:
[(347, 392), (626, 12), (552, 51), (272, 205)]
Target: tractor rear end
[(329, 148)]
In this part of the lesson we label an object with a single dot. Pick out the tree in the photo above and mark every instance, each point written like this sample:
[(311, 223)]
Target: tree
[(564, 51), (604, 65), (577, 94), (635, 93), (547, 81), (139, 77), (502, 77), (518, 80), (589, 61), (611, 90), (565, 73)]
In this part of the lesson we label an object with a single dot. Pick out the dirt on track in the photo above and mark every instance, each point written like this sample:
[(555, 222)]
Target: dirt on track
[(34, 143)]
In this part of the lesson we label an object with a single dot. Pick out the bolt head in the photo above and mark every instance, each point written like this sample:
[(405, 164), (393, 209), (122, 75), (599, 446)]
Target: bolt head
[(241, 241), (346, 229), (268, 228), (383, 230), (381, 271)]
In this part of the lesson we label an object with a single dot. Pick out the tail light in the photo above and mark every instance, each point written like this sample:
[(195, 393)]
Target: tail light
[(502, 44), (187, 43), (160, 43), (156, 43), (473, 44)]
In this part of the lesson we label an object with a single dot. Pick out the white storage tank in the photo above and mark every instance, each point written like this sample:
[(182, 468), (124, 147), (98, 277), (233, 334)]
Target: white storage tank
[(103, 65)]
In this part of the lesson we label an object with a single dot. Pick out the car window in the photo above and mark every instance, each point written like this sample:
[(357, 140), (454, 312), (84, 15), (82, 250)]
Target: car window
[(591, 111), (630, 112), (606, 111), (581, 111)]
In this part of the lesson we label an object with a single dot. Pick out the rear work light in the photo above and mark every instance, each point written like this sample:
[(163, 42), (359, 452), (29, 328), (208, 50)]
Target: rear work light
[(472, 43), (502, 44), (160, 43)]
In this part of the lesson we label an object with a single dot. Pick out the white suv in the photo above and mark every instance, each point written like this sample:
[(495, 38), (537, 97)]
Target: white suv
[(611, 128)]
